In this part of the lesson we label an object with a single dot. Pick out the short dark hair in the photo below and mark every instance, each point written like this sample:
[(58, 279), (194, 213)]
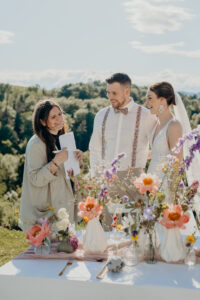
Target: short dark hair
[(164, 89), (119, 77)]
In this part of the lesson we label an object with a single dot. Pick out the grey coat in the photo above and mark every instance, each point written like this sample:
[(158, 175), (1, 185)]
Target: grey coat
[(41, 188)]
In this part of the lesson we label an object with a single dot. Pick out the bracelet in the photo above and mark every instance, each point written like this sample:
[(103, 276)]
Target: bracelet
[(55, 163)]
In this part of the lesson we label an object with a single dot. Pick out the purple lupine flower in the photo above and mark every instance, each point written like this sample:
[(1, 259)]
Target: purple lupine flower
[(114, 170), (148, 213), (121, 155), (181, 171), (125, 198), (108, 174), (114, 162)]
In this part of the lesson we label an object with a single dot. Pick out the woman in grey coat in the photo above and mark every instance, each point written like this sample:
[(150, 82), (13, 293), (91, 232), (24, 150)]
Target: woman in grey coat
[(44, 181)]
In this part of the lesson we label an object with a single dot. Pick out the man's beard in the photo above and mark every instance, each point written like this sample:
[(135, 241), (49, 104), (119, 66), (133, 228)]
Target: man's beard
[(118, 103)]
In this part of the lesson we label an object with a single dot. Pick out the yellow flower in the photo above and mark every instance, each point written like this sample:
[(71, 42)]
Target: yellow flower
[(191, 239), (164, 168), (119, 226), (17, 213), (134, 238), (85, 219), (51, 207), (160, 197)]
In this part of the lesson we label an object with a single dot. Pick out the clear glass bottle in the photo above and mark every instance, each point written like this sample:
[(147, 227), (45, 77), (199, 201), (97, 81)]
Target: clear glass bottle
[(131, 255), (190, 258), (44, 248)]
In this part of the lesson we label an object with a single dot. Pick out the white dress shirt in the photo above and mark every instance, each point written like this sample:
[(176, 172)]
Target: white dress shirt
[(119, 136)]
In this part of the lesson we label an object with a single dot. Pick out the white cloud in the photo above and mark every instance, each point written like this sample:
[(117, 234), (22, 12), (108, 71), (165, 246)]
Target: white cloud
[(173, 48), (56, 78), (155, 17), (6, 37)]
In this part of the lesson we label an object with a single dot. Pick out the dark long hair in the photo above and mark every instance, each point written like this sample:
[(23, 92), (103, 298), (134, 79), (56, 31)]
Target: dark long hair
[(164, 89), (41, 112)]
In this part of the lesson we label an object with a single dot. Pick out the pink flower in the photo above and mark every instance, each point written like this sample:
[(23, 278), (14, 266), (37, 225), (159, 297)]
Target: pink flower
[(37, 234), (173, 217), (147, 183), (90, 208)]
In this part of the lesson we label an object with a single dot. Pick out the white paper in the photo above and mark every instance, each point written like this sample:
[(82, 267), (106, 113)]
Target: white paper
[(67, 140)]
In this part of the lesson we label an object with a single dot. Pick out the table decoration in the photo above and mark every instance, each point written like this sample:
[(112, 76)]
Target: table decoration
[(38, 236), (190, 257), (94, 239)]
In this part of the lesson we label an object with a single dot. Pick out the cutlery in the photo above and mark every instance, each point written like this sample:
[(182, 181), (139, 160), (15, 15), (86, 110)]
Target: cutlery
[(103, 272), (69, 263)]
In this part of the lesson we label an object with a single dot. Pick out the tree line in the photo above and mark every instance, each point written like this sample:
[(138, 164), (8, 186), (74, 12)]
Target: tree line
[(80, 103)]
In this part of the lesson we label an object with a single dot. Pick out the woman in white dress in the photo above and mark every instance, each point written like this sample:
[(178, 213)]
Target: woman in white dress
[(164, 137)]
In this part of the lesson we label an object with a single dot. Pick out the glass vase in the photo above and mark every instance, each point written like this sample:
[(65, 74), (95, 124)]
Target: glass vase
[(131, 255), (190, 258), (65, 246), (150, 250), (44, 248)]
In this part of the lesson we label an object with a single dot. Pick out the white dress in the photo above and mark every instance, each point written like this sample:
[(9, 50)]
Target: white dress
[(160, 150)]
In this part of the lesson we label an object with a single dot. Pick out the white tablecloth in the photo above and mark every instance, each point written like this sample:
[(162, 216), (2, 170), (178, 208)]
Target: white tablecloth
[(38, 279)]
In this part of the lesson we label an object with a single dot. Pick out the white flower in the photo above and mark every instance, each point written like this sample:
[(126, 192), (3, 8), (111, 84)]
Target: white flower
[(127, 222), (62, 224), (62, 213)]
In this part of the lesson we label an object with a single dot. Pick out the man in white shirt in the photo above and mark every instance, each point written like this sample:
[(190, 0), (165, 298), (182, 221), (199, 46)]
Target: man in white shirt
[(124, 126)]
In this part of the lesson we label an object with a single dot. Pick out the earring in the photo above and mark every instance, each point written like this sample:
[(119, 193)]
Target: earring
[(161, 109)]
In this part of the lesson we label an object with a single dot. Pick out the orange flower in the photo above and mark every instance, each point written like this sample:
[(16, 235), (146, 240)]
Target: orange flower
[(88, 187), (89, 208), (147, 183), (173, 217), (37, 234)]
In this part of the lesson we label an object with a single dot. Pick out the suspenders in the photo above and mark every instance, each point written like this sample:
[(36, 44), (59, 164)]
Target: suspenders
[(135, 138)]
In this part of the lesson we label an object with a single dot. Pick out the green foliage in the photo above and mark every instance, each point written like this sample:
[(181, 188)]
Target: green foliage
[(12, 243), (80, 103)]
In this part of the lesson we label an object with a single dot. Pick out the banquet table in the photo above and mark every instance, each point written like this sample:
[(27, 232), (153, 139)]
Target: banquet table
[(38, 279)]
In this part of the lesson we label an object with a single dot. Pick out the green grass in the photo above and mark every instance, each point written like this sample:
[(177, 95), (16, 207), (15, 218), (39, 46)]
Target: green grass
[(12, 242)]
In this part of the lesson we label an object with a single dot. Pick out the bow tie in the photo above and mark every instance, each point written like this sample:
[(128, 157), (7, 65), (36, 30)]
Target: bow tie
[(121, 110)]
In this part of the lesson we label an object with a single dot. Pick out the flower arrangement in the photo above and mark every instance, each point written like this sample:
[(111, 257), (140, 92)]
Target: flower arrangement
[(90, 208), (37, 234)]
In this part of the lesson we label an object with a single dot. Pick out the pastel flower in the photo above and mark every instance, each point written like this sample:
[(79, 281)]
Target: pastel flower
[(62, 213), (173, 217), (147, 183), (125, 198), (89, 208), (148, 213), (37, 234), (191, 239)]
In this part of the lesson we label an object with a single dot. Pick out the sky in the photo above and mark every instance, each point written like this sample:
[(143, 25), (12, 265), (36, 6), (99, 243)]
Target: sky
[(55, 42)]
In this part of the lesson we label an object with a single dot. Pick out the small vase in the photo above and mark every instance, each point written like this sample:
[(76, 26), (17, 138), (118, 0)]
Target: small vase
[(44, 248), (172, 248), (144, 240), (150, 250), (65, 246), (190, 258), (94, 240), (131, 255)]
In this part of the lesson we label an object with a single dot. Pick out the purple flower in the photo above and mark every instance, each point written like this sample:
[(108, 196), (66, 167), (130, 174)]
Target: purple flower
[(148, 213), (114, 170), (114, 162), (74, 242), (125, 198), (108, 174), (121, 155), (43, 221), (181, 185), (134, 233)]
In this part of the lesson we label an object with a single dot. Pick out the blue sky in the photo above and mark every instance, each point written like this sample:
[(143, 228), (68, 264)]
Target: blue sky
[(54, 42)]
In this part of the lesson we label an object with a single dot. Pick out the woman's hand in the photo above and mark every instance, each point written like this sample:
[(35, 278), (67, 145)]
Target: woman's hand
[(61, 157), (79, 156)]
